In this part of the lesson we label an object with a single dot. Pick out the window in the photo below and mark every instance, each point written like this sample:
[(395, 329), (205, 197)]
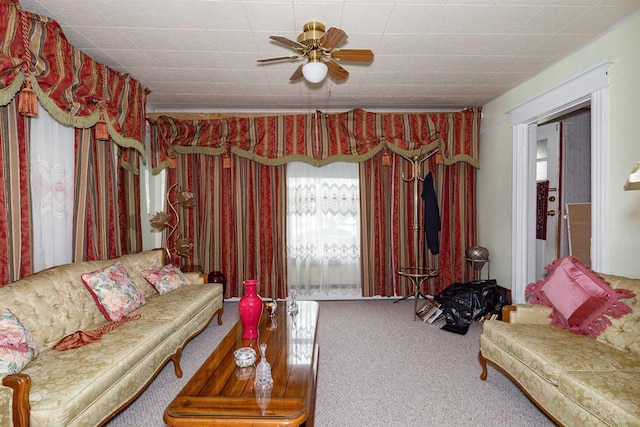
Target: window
[(52, 189), (541, 160), (323, 228)]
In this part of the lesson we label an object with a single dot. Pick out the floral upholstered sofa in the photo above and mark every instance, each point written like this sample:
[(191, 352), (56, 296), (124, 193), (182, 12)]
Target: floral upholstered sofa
[(84, 348), (579, 377)]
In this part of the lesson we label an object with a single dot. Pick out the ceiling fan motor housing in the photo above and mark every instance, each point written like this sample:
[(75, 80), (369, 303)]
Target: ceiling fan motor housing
[(312, 31)]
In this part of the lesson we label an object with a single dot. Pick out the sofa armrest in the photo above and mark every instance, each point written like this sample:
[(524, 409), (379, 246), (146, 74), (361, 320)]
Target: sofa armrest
[(197, 277), (20, 384), (527, 313)]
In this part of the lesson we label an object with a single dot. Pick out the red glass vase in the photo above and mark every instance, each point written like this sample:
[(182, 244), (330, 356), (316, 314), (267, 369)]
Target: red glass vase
[(250, 309)]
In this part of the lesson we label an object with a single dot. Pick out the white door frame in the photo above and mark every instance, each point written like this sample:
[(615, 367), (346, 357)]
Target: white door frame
[(589, 86)]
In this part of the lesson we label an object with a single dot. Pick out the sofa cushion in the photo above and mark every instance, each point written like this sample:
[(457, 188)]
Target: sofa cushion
[(612, 396), (165, 279), (550, 351), (83, 375), (182, 303), (113, 291), (579, 296), (17, 347), (542, 392)]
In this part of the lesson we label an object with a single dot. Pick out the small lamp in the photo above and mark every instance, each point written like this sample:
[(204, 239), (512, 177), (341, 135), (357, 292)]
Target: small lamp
[(633, 182), (314, 71), (478, 256)]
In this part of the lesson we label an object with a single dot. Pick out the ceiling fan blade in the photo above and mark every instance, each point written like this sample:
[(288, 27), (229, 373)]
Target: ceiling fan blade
[(332, 38), (336, 71), (297, 74), (352, 55), (280, 58), (289, 43)]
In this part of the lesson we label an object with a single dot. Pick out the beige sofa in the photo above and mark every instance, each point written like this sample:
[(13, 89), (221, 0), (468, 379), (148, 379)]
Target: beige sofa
[(88, 385), (574, 379)]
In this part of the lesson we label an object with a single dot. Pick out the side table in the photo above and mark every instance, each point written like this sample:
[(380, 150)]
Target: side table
[(417, 275)]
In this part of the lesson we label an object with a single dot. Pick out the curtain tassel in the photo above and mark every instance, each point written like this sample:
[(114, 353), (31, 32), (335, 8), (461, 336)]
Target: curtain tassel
[(385, 158), (226, 161), (28, 102), (102, 133)]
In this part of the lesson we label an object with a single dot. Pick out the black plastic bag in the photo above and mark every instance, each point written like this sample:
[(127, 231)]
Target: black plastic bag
[(461, 303)]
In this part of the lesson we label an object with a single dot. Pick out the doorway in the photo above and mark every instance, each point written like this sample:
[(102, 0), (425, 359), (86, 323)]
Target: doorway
[(588, 87), (563, 196)]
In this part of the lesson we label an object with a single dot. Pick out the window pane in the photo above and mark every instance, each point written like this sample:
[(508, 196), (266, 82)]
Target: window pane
[(541, 151), (323, 228)]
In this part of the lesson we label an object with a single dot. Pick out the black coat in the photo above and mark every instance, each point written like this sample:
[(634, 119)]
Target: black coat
[(432, 224)]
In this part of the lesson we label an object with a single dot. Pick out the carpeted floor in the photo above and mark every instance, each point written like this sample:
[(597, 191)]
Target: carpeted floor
[(377, 367)]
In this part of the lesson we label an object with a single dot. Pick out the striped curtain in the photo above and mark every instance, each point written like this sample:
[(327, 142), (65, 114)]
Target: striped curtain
[(388, 238), (259, 213), (78, 92), (386, 199), (107, 200), (376, 205), (237, 223), (15, 203)]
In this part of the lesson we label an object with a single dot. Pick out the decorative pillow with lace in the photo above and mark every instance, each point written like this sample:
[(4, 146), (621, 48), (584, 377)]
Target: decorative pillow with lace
[(17, 346), (580, 298), (113, 291), (165, 279)]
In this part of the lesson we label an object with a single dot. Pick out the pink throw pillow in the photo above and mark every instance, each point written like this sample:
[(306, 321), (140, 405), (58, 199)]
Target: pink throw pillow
[(580, 298), (115, 294), (17, 346), (166, 279)]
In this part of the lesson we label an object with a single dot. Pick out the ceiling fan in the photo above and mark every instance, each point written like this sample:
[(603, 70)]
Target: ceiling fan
[(321, 48)]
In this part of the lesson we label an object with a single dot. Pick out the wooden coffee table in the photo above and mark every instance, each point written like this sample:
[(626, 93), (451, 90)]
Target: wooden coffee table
[(221, 394)]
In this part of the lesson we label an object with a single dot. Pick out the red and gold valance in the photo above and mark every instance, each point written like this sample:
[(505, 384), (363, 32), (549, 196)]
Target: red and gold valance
[(71, 86), (319, 138)]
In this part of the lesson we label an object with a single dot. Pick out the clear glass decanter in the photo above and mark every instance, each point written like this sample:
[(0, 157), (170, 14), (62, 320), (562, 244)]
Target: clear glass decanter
[(263, 371), (292, 305)]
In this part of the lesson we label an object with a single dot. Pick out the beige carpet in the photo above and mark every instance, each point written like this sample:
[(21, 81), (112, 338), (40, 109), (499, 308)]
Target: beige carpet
[(377, 367)]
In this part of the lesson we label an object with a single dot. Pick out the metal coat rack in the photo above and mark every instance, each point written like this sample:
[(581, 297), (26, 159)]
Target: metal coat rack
[(418, 275), (417, 175)]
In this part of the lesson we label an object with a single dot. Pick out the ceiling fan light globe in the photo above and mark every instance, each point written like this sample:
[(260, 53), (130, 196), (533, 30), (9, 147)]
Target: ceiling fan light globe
[(315, 71)]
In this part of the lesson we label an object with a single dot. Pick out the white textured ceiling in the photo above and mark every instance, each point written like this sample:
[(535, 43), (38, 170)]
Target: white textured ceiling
[(200, 55)]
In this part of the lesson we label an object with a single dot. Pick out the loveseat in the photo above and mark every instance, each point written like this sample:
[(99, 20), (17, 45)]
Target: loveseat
[(87, 385), (576, 379)]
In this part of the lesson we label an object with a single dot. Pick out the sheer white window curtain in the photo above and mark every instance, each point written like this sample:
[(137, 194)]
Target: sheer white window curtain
[(52, 169), (323, 229), (152, 193)]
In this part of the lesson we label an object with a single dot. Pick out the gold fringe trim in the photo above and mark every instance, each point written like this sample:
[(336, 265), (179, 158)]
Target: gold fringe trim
[(61, 116), (348, 158), (124, 141), (8, 93), (84, 122), (161, 166), (129, 167), (462, 158)]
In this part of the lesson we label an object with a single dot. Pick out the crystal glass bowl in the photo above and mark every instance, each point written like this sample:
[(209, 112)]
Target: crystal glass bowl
[(244, 356)]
